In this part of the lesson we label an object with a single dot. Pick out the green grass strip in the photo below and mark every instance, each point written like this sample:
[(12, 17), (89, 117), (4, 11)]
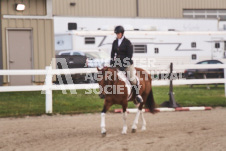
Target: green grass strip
[(18, 104)]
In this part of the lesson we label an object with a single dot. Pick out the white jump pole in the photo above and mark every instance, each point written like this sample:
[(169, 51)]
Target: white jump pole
[(48, 82)]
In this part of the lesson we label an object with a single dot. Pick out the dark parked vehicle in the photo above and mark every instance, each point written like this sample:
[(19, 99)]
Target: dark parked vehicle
[(204, 73), (73, 61)]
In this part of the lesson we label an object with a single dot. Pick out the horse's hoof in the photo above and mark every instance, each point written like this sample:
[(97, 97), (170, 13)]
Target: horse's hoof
[(143, 129), (134, 130), (104, 134)]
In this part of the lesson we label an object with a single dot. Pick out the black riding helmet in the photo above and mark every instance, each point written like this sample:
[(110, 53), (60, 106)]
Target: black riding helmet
[(119, 29)]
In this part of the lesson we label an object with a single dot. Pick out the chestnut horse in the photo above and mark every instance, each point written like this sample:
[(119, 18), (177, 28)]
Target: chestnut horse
[(111, 81)]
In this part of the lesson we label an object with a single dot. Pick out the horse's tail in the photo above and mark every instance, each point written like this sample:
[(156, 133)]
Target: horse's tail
[(150, 102)]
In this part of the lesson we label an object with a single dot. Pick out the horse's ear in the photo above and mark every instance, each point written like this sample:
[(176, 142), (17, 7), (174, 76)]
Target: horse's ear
[(105, 68)]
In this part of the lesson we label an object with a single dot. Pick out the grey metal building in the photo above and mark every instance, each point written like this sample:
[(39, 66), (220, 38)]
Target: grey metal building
[(27, 38), (141, 8)]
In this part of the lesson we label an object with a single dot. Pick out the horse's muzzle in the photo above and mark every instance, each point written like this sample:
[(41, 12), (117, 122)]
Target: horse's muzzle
[(102, 96)]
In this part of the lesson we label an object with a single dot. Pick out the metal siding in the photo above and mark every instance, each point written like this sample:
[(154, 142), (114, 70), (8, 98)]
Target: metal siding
[(41, 7), (153, 11), (4, 6), (97, 8), (127, 8), (87, 8), (65, 6), (4, 52), (174, 9), (48, 41), (33, 7), (113, 7), (117, 10), (208, 2), (82, 4), (200, 3), (58, 6), (110, 6), (35, 47), (103, 8), (158, 12), (145, 9), (124, 8), (27, 23), (91, 8), (180, 10), (11, 9), (141, 7), (77, 8), (161, 10), (19, 23), (41, 44), (54, 4), (72, 10), (27, 5), (12, 23)]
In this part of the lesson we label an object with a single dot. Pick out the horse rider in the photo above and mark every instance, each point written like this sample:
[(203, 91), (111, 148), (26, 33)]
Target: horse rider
[(121, 57)]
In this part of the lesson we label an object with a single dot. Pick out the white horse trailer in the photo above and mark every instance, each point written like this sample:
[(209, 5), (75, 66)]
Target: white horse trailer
[(155, 24), (162, 47)]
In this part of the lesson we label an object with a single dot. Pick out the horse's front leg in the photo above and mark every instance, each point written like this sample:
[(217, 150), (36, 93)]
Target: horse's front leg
[(124, 114), (135, 122), (139, 111), (102, 125), (144, 122), (103, 113)]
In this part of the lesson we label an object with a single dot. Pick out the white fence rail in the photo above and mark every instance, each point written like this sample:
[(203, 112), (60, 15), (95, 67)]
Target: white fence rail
[(49, 72)]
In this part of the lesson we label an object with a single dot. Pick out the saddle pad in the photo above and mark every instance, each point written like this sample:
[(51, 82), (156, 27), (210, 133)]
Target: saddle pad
[(123, 77)]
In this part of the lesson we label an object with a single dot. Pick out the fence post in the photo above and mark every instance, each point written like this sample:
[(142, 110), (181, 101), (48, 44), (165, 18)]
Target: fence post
[(171, 103), (225, 82), (48, 82)]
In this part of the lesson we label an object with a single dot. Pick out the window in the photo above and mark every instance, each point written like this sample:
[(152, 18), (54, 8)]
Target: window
[(140, 48), (72, 26), (199, 16), (193, 44), (89, 40), (77, 54), (66, 53), (193, 56), (217, 45), (188, 16), (205, 13), (211, 16), (203, 62), (215, 62), (225, 45), (156, 50), (222, 17)]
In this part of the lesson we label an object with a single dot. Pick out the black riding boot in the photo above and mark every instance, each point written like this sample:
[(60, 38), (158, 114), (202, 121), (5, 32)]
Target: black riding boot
[(138, 98)]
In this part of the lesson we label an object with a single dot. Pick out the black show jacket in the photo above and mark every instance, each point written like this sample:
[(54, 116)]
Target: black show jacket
[(125, 50)]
